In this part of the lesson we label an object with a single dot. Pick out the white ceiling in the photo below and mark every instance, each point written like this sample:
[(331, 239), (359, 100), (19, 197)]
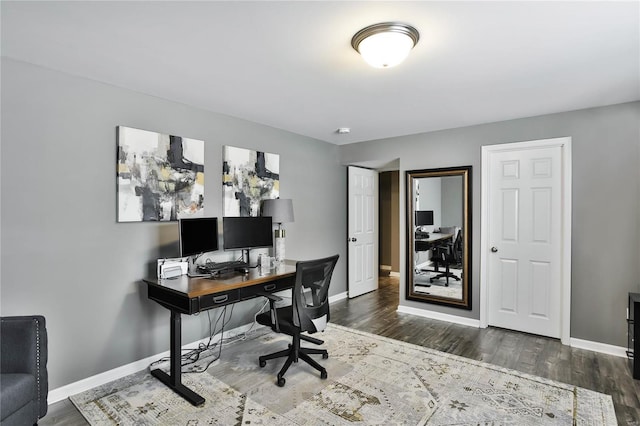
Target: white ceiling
[(290, 64)]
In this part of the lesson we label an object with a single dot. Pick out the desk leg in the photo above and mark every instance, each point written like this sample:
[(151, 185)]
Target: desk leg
[(173, 381)]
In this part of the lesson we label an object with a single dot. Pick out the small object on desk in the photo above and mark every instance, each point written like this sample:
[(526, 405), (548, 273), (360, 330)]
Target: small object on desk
[(167, 267), (171, 272), (266, 264)]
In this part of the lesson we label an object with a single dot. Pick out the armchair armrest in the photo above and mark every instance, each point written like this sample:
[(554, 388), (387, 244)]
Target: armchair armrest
[(24, 349)]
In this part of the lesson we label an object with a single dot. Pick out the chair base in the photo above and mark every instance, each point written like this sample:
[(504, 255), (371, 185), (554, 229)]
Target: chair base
[(293, 353), (446, 274)]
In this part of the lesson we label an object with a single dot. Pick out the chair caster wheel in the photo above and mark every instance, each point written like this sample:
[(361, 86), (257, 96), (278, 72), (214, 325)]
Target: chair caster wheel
[(325, 356), (323, 374), (281, 381), (262, 363)]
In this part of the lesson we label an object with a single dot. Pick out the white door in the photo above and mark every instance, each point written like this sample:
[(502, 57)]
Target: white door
[(525, 239), (363, 231)]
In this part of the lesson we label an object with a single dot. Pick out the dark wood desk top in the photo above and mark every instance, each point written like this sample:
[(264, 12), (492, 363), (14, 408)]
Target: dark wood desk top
[(195, 287)]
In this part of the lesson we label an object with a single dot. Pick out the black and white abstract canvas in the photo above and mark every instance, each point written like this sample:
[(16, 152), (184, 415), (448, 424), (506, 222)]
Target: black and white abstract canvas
[(248, 178), (160, 177)]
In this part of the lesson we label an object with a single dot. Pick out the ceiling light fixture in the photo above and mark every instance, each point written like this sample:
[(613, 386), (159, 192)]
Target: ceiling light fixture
[(386, 44)]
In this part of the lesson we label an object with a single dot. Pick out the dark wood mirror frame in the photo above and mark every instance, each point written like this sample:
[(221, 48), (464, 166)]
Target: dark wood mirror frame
[(464, 302)]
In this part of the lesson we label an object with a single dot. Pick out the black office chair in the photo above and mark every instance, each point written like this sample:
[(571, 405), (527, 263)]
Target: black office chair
[(309, 312), (447, 255)]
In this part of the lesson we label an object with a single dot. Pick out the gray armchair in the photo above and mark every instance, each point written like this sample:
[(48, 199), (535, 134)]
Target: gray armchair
[(24, 384)]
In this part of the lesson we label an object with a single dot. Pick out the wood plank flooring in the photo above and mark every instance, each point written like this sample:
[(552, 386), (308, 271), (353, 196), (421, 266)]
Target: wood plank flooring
[(376, 313)]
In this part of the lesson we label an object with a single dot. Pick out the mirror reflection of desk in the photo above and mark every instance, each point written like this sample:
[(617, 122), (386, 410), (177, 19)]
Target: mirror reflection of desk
[(424, 244)]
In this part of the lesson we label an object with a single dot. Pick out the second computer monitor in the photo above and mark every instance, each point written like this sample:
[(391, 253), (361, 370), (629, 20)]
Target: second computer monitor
[(239, 233)]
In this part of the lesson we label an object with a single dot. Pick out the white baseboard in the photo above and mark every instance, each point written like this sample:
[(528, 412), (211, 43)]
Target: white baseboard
[(66, 391), (439, 316), (337, 297), (599, 347), (394, 274)]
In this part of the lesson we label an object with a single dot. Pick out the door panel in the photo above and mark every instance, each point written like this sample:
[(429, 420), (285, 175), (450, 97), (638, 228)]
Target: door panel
[(524, 264), (363, 231)]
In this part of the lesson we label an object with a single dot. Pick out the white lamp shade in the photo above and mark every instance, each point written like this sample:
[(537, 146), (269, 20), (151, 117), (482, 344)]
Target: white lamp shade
[(385, 50), (280, 210)]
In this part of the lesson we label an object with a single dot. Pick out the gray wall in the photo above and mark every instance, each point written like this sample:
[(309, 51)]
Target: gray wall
[(605, 205), (430, 198), (63, 254), (452, 201)]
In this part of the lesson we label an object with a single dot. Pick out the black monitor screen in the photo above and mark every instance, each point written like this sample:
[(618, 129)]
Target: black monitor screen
[(424, 217), (247, 232), (198, 235)]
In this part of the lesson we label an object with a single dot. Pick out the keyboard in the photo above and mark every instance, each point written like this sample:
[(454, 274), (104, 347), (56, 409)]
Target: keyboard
[(221, 267)]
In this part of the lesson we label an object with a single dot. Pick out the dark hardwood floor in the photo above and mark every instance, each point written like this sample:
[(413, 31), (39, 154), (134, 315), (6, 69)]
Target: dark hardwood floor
[(376, 313)]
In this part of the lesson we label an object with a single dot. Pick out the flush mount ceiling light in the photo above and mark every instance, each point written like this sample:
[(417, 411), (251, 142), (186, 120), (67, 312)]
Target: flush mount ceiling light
[(386, 44)]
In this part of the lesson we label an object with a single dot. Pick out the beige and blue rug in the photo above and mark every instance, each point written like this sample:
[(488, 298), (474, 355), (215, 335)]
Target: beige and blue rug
[(372, 380)]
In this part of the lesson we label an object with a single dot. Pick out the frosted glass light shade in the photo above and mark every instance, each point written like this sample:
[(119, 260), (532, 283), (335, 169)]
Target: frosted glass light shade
[(386, 44)]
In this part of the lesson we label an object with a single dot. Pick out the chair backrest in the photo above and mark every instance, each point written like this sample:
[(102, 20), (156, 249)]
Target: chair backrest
[(448, 230), (457, 246), (311, 293)]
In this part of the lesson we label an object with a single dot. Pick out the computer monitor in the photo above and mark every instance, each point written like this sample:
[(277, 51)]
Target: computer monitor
[(247, 232), (198, 235), (424, 217)]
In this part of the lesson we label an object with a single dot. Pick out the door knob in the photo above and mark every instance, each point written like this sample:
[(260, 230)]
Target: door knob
[(354, 239), (494, 249)]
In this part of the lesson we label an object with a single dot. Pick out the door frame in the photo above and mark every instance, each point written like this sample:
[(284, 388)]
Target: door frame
[(565, 252), (380, 165)]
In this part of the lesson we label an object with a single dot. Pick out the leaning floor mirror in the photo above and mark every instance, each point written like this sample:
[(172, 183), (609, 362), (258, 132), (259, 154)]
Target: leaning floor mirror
[(439, 236)]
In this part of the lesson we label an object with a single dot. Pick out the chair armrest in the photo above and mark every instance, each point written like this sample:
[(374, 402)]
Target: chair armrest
[(24, 349), (272, 307), (272, 297)]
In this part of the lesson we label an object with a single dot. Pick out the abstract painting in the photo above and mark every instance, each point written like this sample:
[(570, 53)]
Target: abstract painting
[(248, 177), (160, 177)]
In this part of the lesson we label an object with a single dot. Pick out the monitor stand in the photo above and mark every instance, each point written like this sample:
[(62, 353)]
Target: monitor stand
[(245, 256)]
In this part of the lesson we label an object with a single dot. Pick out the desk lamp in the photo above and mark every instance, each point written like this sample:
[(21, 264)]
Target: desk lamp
[(281, 211)]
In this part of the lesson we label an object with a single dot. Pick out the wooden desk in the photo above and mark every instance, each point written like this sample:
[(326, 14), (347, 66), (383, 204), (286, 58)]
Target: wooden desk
[(185, 295)]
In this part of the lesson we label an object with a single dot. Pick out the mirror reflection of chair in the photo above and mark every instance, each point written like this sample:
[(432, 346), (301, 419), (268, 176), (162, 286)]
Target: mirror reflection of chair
[(448, 255), (309, 312)]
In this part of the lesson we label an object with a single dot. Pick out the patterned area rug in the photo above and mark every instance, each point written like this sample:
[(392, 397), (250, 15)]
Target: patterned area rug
[(372, 380)]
